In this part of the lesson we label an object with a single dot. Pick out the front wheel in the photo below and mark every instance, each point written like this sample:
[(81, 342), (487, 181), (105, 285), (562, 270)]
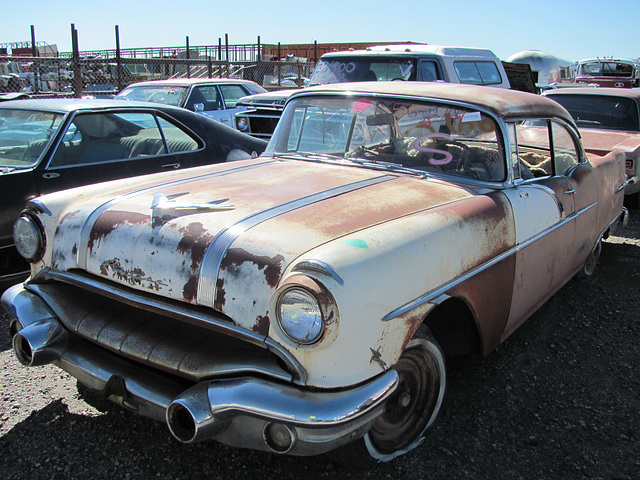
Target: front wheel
[(410, 411)]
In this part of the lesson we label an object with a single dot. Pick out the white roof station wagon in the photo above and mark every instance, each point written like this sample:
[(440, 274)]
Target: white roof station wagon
[(304, 302)]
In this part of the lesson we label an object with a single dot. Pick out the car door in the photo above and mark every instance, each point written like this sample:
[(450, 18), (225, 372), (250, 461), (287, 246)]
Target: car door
[(555, 216), (207, 100), (231, 93), (107, 145)]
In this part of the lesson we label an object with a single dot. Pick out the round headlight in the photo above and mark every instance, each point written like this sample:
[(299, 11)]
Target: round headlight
[(28, 238), (242, 124), (300, 316)]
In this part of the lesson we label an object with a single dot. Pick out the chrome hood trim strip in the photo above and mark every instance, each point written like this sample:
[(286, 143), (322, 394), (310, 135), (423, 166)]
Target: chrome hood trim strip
[(81, 255), (221, 243)]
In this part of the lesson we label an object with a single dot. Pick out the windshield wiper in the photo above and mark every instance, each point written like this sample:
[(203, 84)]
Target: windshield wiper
[(388, 166), (374, 164)]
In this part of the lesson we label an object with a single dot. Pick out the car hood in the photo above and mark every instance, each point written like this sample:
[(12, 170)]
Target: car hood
[(275, 99), (195, 236), (602, 142)]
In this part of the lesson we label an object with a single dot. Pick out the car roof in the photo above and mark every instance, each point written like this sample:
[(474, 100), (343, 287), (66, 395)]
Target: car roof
[(192, 81), (614, 92), (608, 59), (502, 102), (417, 49), (66, 105)]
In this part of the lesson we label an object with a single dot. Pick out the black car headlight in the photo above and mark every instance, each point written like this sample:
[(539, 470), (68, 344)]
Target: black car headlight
[(300, 316), (28, 237)]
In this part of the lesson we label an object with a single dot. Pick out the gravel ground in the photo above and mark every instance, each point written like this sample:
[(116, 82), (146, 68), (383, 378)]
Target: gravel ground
[(558, 400)]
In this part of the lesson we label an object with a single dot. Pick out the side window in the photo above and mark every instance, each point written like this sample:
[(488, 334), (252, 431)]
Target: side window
[(533, 148), (478, 73), (203, 99), (105, 137), (427, 71), (231, 94), (178, 141), (565, 153), (545, 148)]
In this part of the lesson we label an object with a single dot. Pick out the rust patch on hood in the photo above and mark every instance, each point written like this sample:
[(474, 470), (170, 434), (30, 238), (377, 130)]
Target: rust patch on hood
[(110, 220), (220, 295), (195, 241), (272, 266), (158, 222), (190, 289), (133, 276), (262, 325)]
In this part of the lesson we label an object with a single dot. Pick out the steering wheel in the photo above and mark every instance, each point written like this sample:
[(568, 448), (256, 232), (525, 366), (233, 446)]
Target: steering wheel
[(462, 162)]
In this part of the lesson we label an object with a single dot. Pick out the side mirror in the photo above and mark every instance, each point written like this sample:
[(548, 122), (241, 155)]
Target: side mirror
[(198, 107)]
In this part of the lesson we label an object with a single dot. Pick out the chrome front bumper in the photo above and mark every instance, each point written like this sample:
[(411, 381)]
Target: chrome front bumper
[(250, 412)]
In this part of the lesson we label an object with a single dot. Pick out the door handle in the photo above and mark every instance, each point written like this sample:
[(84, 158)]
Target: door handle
[(173, 166)]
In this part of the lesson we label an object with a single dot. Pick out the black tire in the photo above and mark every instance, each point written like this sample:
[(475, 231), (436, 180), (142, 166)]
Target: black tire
[(589, 266), (409, 412), (632, 201)]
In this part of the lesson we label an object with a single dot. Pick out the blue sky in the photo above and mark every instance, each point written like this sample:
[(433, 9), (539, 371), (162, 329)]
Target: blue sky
[(570, 30)]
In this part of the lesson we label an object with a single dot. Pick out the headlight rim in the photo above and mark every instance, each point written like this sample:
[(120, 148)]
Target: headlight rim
[(317, 338), (38, 253)]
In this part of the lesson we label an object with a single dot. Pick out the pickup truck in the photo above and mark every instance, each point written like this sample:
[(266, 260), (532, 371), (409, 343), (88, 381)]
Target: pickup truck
[(430, 63)]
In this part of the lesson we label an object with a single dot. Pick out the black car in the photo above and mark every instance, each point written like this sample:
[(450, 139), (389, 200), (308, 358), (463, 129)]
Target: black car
[(55, 144)]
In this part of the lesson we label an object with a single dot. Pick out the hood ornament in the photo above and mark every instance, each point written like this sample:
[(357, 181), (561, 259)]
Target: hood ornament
[(165, 203)]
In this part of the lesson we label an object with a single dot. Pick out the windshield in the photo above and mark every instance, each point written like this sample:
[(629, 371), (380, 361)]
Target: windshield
[(601, 111), (363, 69), (428, 137), (24, 134), (167, 95), (605, 69)]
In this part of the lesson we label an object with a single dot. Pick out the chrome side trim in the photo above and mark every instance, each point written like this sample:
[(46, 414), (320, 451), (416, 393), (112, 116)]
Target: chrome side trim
[(81, 255), (623, 185), (433, 294), (221, 243)]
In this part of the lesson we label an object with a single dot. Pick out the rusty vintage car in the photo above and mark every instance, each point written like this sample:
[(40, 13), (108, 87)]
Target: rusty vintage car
[(608, 119), (305, 301)]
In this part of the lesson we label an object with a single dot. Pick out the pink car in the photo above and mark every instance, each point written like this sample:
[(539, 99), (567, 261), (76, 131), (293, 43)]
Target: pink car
[(608, 119)]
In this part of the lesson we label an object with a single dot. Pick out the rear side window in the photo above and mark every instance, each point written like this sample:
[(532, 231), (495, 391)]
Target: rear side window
[(478, 73), (106, 137), (231, 94)]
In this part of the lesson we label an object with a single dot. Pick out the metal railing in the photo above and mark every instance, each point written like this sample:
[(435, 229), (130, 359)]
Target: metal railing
[(104, 76)]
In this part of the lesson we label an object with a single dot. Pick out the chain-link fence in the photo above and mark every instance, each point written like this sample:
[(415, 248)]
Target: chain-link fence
[(65, 76)]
